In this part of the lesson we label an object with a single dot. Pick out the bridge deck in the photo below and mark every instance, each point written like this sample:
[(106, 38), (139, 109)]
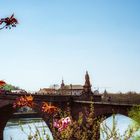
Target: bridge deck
[(104, 103)]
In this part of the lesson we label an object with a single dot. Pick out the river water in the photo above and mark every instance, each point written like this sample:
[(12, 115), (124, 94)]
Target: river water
[(14, 131)]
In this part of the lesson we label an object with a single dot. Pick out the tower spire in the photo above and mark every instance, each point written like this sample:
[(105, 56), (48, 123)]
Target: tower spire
[(87, 86), (62, 83)]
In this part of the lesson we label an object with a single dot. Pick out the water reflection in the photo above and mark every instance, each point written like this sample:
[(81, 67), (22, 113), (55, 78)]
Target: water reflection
[(29, 126)]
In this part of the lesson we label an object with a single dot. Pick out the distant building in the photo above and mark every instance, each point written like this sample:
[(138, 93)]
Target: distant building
[(18, 91), (96, 92), (47, 91), (69, 89)]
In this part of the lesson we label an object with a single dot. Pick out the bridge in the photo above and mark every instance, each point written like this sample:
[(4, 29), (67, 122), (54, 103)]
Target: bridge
[(76, 103)]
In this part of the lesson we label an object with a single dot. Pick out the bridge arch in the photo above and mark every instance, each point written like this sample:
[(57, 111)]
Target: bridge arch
[(115, 123), (6, 113), (29, 126), (111, 113)]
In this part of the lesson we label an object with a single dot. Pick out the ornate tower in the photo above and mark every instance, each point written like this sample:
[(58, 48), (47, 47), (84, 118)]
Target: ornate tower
[(87, 86), (62, 84)]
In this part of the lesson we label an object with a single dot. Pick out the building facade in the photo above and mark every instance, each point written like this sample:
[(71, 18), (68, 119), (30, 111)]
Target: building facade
[(71, 89)]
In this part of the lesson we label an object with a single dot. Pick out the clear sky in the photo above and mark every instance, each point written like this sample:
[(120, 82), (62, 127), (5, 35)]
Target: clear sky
[(64, 38)]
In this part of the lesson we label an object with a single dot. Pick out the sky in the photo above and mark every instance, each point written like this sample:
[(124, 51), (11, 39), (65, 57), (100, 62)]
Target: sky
[(58, 39)]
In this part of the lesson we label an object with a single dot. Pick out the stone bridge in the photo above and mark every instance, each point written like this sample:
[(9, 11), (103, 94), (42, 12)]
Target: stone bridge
[(76, 103)]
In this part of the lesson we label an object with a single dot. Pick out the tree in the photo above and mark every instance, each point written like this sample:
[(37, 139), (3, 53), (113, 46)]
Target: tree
[(8, 87), (134, 113)]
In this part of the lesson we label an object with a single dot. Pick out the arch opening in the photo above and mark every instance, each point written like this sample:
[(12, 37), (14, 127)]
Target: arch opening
[(22, 128), (118, 125), (25, 122)]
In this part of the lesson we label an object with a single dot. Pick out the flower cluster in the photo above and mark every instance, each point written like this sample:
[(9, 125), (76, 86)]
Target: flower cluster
[(49, 109), (9, 22), (62, 124), (23, 101), (2, 83)]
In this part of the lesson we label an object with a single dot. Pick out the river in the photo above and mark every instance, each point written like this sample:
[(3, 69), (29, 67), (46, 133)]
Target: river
[(13, 131)]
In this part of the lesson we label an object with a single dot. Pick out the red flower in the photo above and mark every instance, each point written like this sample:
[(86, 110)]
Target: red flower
[(46, 108), (9, 22), (24, 101), (2, 83)]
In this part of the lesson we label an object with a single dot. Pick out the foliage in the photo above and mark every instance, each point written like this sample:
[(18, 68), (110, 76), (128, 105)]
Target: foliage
[(131, 132), (109, 133), (113, 133), (86, 127), (134, 113), (8, 87), (37, 134)]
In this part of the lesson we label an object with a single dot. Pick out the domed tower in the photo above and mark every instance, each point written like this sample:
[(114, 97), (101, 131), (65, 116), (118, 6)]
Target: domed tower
[(87, 86)]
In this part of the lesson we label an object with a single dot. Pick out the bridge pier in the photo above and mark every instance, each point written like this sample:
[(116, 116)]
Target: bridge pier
[(1, 131), (3, 121), (94, 128), (5, 114), (1, 136)]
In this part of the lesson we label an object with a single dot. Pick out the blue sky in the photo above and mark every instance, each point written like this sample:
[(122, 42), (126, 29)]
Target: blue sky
[(64, 38)]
